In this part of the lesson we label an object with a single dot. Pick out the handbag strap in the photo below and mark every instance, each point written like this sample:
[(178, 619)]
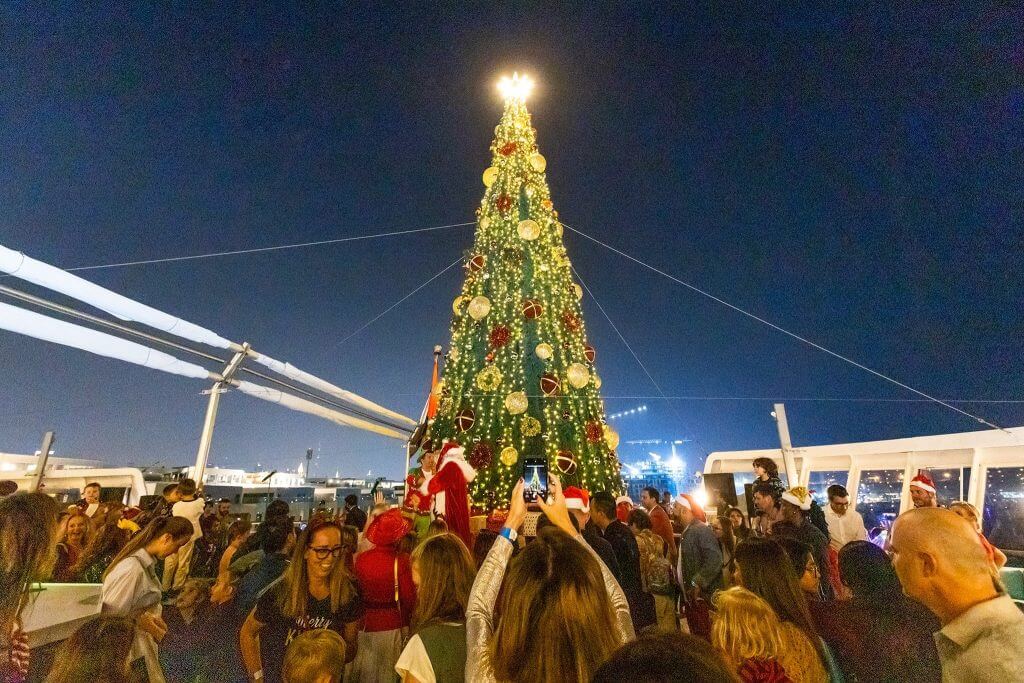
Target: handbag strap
[(397, 601)]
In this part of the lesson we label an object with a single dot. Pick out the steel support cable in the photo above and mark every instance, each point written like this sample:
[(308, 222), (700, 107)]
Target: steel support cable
[(124, 329), (634, 354), (257, 250), (772, 325), (397, 303)]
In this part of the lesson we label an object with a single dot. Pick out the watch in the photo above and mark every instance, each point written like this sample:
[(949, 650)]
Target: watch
[(509, 534)]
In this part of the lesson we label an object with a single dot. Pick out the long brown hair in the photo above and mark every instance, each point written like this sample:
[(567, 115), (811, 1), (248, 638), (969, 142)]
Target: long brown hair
[(446, 572), (555, 621), (109, 539), (97, 651), (177, 527), (766, 570), (28, 527), (293, 591)]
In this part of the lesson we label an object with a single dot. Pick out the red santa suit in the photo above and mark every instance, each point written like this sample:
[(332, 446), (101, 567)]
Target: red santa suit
[(449, 485)]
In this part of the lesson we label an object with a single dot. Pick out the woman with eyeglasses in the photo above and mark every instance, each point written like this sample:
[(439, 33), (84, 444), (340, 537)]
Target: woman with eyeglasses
[(315, 592)]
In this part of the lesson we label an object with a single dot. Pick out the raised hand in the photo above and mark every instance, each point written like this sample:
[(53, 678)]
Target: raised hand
[(556, 510), (516, 507)]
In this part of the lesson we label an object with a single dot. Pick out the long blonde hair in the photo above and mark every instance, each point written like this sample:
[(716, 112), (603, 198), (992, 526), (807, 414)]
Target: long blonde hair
[(746, 627), (555, 619), (62, 531), (293, 594), (446, 572)]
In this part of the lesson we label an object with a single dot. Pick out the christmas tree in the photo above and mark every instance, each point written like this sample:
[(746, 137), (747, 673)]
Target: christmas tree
[(519, 378)]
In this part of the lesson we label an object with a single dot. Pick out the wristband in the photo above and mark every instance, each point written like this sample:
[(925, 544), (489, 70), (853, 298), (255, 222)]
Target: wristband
[(258, 676), (509, 534)]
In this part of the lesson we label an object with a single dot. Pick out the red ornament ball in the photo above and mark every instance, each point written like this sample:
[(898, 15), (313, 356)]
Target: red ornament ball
[(594, 432), (464, 419), (590, 353), (507, 149), (565, 462), (503, 203), (570, 321), (532, 309), (549, 384), (481, 456), (500, 336), (476, 263)]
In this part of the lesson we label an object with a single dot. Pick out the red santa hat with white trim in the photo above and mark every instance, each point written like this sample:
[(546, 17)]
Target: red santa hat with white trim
[(624, 499), (923, 482), (687, 501), (577, 499)]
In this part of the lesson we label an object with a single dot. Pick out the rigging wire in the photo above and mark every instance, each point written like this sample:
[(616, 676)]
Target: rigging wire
[(632, 352), (772, 325), (394, 305), (257, 250), (124, 329)]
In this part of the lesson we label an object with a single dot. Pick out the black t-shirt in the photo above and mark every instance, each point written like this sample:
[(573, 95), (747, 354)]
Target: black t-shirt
[(278, 630)]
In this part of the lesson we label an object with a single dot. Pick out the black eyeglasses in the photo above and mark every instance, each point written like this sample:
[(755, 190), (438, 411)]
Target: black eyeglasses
[(322, 553)]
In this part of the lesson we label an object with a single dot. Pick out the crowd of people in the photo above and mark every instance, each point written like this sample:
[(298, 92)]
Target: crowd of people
[(601, 590)]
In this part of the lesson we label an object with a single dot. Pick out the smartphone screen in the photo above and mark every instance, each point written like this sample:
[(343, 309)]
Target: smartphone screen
[(535, 477)]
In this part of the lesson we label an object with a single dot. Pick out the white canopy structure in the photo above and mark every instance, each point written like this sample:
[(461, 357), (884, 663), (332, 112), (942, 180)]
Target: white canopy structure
[(14, 319), (43, 274)]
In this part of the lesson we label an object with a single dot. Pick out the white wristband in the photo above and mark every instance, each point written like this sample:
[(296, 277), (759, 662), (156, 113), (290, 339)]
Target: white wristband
[(258, 676)]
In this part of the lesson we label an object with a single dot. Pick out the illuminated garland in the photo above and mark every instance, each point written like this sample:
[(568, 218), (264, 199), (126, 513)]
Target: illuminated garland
[(518, 318)]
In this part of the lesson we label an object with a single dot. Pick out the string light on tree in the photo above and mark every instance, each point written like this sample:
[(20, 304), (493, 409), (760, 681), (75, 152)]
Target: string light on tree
[(520, 373)]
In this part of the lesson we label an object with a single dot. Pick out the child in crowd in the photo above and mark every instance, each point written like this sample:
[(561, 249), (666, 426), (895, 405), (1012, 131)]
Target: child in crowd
[(315, 657)]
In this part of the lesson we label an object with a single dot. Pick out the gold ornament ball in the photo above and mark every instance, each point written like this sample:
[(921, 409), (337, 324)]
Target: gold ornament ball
[(578, 375), (479, 307), (457, 305), (509, 456), (611, 438), (490, 175), (597, 381), (529, 230), (516, 403), (544, 351), (538, 163), (485, 223), (578, 290), (530, 426)]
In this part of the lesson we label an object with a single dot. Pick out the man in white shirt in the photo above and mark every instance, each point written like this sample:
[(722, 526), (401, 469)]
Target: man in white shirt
[(941, 563), (844, 524), (176, 566)]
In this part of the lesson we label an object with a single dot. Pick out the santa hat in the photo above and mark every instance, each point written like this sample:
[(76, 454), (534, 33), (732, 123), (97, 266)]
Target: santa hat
[(577, 499), (923, 482), (451, 449), (687, 501), (624, 499), (799, 496), (388, 528)]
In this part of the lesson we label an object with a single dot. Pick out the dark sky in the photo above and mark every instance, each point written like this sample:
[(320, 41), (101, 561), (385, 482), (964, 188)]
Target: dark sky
[(855, 177)]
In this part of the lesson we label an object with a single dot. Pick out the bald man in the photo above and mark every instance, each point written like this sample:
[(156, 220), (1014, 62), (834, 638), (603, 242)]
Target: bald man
[(941, 563)]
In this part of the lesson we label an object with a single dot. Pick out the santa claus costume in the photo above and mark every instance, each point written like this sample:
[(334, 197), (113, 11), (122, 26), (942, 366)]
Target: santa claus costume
[(449, 485)]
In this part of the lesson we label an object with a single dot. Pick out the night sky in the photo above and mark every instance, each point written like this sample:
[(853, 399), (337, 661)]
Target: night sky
[(857, 178)]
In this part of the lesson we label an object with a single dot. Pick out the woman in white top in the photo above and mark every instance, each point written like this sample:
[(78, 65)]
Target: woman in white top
[(131, 587), (443, 571)]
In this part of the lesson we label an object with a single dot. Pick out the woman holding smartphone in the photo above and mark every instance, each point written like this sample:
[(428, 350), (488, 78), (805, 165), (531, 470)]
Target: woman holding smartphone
[(595, 608)]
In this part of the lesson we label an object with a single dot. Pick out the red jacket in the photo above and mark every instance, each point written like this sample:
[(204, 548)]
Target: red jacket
[(452, 480), (375, 574)]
